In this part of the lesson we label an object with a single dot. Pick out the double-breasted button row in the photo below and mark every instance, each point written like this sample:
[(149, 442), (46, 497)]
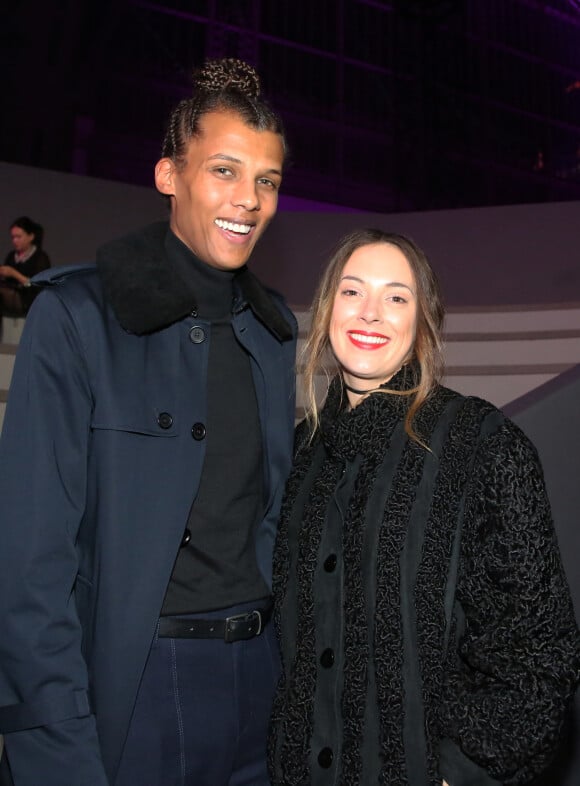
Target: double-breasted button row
[(325, 758), (164, 420), (198, 431), (330, 563), (197, 335), (327, 658)]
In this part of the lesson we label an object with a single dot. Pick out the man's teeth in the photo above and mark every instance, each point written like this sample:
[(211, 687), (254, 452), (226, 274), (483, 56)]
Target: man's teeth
[(242, 229), (369, 339)]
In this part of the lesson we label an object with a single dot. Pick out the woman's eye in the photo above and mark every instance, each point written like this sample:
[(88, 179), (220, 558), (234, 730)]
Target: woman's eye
[(223, 170), (349, 292), (398, 299)]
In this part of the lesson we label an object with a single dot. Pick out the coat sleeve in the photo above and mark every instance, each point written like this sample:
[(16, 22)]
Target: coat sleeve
[(512, 676), (50, 733)]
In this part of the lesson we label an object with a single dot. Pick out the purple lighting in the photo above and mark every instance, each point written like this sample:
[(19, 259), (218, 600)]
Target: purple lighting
[(389, 105)]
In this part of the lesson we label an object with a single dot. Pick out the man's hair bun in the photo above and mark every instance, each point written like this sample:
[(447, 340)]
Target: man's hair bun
[(225, 85), (216, 76)]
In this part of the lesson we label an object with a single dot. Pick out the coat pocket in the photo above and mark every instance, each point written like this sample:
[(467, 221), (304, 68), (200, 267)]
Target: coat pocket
[(136, 417)]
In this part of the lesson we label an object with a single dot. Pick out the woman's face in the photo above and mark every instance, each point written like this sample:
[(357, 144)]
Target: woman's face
[(374, 316), (21, 240)]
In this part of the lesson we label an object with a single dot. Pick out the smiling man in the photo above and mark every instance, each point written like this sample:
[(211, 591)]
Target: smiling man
[(146, 443), (226, 192)]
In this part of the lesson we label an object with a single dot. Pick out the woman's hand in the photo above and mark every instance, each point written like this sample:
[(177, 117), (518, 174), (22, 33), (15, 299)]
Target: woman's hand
[(6, 271)]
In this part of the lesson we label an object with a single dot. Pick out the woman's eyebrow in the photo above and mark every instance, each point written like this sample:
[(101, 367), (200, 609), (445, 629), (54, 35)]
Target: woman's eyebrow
[(387, 283)]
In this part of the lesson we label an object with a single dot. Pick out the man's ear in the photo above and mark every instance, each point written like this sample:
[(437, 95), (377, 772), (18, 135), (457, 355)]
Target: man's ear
[(164, 171)]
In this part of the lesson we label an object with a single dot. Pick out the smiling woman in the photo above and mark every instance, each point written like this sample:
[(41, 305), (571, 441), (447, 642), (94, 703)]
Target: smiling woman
[(426, 625), (374, 316), (404, 292)]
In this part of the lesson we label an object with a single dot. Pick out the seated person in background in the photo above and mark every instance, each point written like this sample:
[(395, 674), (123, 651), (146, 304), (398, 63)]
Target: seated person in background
[(20, 265)]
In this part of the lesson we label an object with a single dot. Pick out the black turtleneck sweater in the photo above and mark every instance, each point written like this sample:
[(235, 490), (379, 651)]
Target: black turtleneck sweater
[(216, 565)]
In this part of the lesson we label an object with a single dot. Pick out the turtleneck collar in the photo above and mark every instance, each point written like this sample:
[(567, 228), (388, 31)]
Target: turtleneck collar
[(211, 289), (148, 291)]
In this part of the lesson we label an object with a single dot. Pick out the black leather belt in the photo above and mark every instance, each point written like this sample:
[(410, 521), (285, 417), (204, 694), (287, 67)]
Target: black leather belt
[(237, 628)]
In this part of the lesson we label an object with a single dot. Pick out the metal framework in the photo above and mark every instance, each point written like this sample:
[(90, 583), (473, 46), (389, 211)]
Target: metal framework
[(398, 105)]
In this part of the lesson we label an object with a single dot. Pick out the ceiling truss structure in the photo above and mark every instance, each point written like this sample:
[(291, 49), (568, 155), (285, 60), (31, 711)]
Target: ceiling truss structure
[(389, 106)]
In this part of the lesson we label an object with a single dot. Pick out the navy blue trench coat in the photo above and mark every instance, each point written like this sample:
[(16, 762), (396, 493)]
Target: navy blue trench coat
[(98, 473)]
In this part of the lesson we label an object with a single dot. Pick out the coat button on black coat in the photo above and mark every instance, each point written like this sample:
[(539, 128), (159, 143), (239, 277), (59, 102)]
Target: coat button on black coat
[(185, 539), (198, 431), (325, 758), (327, 658), (330, 563), (197, 334), (164, 420)]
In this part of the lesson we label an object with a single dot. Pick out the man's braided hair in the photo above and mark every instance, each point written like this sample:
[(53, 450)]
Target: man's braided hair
[(226, 85)]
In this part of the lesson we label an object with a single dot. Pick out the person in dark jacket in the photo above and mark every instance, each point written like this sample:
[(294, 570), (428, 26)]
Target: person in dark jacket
[(22, 263), (426, 625), (147, 438)]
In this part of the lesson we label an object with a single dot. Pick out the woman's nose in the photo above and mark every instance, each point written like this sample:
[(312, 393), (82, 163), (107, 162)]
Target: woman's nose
[(370, 311)]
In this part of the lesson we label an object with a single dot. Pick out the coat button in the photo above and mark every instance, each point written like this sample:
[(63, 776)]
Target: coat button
[(197, 335), (327, 658), (330, 563), (185, 539), (325, 758), (198, 431), (164, 420)]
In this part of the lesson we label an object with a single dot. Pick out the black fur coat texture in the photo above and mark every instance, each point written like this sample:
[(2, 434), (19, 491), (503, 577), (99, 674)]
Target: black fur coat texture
[(426, 625)]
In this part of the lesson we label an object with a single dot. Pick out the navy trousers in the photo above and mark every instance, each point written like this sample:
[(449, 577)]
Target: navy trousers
[(202, 712)]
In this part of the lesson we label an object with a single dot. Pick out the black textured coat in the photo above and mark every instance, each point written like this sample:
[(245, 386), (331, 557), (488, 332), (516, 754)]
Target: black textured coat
[(426, 625)]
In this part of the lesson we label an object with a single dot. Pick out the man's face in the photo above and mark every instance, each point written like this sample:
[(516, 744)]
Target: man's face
[(224, 197)]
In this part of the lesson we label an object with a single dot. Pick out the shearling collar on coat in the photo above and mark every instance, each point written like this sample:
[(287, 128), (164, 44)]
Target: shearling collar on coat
[(147, 293)]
